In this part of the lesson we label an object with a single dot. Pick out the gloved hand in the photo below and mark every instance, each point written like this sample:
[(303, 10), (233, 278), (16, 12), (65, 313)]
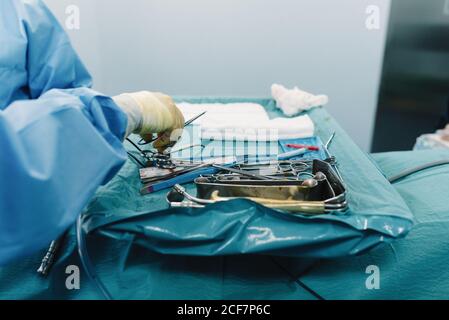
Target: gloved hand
[(152, 112)]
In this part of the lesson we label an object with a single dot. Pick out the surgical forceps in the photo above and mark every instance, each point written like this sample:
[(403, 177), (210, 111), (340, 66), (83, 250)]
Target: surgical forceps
[(162, 161), (330, 140), (331, 159), (279, 170), (142, 142)]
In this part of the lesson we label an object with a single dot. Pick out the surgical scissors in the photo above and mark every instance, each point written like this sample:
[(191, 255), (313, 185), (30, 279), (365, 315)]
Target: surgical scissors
[(162, 161), (142, 142)]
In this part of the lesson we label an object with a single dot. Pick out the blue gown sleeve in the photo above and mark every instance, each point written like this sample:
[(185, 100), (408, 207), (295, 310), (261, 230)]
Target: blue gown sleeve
[(57, 148), (51, 60)]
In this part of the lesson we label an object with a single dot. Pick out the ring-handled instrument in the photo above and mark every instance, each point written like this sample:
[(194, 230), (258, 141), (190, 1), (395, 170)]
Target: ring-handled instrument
[(142, 142)]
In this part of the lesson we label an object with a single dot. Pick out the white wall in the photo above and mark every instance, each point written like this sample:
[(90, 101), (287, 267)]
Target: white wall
[(237, 48)]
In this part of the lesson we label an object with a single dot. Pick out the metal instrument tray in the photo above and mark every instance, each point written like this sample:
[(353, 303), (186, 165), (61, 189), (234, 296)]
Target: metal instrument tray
[(331, 190)]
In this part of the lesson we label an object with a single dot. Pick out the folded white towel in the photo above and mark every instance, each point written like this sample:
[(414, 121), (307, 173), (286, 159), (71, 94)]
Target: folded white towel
[(245, 121)]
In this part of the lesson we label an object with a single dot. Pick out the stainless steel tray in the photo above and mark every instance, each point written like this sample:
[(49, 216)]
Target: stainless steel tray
[(329, 192)]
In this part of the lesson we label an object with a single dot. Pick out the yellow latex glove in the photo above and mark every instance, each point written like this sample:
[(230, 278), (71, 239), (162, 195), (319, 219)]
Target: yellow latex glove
[(152, 112)]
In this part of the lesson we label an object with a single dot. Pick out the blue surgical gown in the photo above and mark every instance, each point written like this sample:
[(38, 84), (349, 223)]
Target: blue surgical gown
[(59, 139)]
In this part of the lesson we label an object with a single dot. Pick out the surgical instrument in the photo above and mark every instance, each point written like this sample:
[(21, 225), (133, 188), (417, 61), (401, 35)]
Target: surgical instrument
[(186, 177), (272, 189), (154, 174), (186, 148), (308, 207), (320, 176), (330, 158), (194, 119), (330, 190), (162, 161), (177, 200), (330, 140), (51, 255), (156, 159), (300, 146), (292, 154), (245, 173), (182, 191), (142, 142), (183, 176), (311, 183), (295, 168)]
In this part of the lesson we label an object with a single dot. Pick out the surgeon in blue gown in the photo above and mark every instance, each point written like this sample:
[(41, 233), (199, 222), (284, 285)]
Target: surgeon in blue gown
[(59, 139)]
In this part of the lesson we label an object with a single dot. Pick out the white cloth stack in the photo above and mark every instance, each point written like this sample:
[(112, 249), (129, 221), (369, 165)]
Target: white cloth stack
[(245, 121)]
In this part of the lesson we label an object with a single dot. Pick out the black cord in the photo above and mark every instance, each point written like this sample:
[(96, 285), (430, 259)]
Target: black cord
[(417, 169), (140, 163), (135, 146)]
